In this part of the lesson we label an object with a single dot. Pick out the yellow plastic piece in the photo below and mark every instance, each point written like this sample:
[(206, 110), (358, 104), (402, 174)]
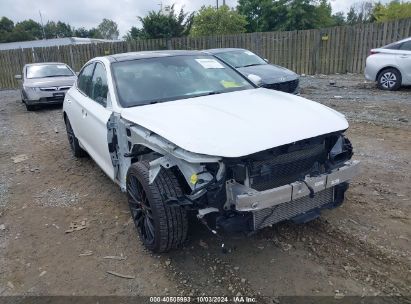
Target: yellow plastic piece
[(194, 179)]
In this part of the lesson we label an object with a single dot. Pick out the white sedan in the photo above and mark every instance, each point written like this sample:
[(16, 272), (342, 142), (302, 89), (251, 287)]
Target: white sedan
[(390, 65), (183, 131)]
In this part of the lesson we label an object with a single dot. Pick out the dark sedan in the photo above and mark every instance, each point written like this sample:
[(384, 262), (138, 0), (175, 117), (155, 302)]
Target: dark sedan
[(247, 63)]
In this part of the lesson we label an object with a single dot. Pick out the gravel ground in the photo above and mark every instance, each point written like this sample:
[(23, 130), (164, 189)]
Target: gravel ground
[(361, 248)]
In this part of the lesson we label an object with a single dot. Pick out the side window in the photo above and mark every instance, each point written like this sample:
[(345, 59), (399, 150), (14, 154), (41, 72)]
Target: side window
[(99, 86), (84, 79), (406, 46)]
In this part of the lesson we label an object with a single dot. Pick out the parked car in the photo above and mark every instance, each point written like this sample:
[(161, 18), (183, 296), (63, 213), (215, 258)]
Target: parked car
[(182, 130), (390, 65), (247, 63), (45, 83)]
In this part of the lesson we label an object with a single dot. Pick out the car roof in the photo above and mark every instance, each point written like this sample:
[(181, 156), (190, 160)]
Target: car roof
[(150, 54), (44, 63), (223, 50)]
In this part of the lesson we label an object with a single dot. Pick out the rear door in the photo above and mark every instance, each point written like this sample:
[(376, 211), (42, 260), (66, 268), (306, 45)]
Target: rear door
[(404, 61), (95, 116), (76, 99), (89, 114)]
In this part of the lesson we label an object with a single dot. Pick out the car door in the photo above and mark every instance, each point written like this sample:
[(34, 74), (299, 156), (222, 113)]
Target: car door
[(75, 102), (91, 100), (404, 61)]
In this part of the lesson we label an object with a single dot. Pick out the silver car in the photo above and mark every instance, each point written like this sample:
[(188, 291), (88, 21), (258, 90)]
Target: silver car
[(270, 76), (390, 65), (45, 83)]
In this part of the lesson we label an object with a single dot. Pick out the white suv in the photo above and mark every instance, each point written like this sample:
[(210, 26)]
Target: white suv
[(390, 65)]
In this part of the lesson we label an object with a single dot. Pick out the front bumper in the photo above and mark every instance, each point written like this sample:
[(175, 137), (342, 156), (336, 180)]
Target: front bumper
[(45, 101), (258, 209), (43, 97), (243, 198)]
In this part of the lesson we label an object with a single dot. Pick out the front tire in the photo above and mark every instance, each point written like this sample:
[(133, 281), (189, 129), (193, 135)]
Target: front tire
[(389, 79), (30, 107), (161, 226)]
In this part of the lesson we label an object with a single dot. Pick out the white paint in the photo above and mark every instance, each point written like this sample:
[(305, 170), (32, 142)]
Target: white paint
[(238, 123)]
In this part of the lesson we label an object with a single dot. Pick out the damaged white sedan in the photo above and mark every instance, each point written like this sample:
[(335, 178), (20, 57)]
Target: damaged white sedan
[(181, 131)]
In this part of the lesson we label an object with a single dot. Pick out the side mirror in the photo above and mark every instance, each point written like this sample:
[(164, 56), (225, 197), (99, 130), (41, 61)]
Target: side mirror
[(18, 77), (255, 79), (266, 60)]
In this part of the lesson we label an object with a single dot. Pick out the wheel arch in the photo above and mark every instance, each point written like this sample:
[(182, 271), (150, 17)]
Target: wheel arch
[(386, 68)]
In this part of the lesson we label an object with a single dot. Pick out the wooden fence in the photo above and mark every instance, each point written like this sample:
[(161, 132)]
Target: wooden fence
[(325, 51)]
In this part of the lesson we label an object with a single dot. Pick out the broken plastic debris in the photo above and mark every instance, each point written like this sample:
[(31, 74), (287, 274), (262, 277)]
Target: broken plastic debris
[(112, 257), (19, 158), (75, 226), (124, 276)]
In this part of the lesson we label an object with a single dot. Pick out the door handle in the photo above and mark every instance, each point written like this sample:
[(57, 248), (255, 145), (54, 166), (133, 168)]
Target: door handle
[(84, 112), (404, 56), (68, 100)]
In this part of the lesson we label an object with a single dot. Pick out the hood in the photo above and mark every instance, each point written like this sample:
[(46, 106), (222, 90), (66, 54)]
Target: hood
[(269, 73), (238, 123), (50, 81)]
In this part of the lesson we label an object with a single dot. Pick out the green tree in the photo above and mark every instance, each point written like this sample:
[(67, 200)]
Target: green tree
[(259, 13), (165, 25), (108, 29), (81, 32), (212, 21), (134, 34), (50, 29), (6, 25), (338, 19), (94, 33), (323, 16), (391, 11), (31, 27), (300, 15), (63, 30)]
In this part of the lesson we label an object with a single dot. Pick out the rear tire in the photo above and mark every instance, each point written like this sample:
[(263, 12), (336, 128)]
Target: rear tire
[(161, 226), (73, 141), (389, 79)]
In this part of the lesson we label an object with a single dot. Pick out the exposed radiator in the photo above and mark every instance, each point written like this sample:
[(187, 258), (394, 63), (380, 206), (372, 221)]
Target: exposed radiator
[(291, 209), (284, 168)]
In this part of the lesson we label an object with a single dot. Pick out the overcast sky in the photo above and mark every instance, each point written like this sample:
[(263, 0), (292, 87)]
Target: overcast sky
[(89, 13)]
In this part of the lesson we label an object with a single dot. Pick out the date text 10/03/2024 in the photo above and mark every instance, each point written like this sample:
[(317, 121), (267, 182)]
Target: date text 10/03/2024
[(203, 299)]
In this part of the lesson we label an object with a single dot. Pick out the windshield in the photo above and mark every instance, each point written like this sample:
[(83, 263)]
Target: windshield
[(145, 81), (241, 58), (50, 70)]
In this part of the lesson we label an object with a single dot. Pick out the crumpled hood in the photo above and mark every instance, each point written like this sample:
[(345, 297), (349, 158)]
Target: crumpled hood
[(50, 81), (269, 73), (238, 123)]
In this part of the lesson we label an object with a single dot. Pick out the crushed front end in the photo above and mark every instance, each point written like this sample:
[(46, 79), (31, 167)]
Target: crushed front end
[(291, 182)]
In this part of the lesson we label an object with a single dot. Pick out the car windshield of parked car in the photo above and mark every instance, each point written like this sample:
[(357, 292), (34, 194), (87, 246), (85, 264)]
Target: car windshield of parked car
[(160, 79), (51, 70), (241, 58)]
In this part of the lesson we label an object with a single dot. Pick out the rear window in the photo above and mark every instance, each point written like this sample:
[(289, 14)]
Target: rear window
[(392, 46), (51, 70)]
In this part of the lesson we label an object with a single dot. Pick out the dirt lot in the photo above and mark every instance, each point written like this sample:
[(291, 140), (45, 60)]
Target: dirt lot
[(362, 248)]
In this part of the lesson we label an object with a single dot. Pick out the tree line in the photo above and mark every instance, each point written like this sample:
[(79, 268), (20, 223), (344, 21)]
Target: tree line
[(32, 30), (248, 16)]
